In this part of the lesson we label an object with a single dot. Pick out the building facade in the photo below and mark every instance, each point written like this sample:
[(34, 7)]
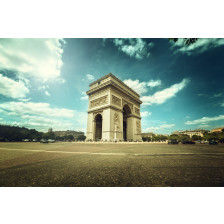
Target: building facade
[(198, 132), (113, 112), (218, 130)]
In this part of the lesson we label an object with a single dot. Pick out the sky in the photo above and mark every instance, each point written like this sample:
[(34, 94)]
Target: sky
[(43, 82)]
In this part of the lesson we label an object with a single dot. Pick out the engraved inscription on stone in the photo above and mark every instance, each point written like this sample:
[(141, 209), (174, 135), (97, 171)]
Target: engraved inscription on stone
[(137, 111), (116, 100), (99, 102), (138, 127)]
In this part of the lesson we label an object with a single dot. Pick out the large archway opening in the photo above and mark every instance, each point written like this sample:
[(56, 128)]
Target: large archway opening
[(126, 112), (98, 131)]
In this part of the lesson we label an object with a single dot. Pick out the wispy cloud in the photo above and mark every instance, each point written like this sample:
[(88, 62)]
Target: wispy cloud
[(39, 58), (47, 93), (200, 46), (90, 77), (85, 96), (11, 88), (159, 127), (154, 83), (216, 95), (136, 85), (205, 120), (41, 116), (43, 87), (134, 47), (165, 94), (145, 113), (42, 109)]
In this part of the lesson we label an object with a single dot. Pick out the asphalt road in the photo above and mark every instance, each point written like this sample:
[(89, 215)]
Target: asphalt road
[(111, 165)]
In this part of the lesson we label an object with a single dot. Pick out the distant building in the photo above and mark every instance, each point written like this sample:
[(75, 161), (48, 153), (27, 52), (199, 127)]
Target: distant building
[(218, 130), (50, 130), (68, 132), (149, 134), (197, 132)]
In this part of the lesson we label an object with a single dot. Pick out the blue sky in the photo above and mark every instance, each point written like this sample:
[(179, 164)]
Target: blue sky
[(43, 81)]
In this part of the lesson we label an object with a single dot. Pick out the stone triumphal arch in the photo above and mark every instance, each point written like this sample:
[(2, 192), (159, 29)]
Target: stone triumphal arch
[(114, 111)]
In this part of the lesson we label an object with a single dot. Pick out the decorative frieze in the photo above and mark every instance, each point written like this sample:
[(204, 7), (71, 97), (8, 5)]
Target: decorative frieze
[(137, 111), (99, 102), (116, 101), (98, 93)]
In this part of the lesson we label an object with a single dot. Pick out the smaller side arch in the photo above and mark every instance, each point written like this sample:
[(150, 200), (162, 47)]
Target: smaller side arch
[(98, 119)]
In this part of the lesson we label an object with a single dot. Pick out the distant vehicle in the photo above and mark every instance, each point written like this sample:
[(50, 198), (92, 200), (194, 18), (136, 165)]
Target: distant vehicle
[(51, 140), (187, 142), (173, 141), (213, 142), (43, 141), (25, 140)]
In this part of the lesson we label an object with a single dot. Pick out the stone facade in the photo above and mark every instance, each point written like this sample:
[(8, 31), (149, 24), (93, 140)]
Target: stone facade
[(114, 108)]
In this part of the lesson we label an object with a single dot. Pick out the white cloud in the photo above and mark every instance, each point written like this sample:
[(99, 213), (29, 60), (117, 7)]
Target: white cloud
[(159, 127), (41, 116), (25, 100), (134, 47), (145, 113), (154, 83), (200, 46), (204, 126), (215, 95), (139, 87), (43, 87), (205, 120), (85, 96), (39, 58), (163, 95), (42, 109), (11, 88), (47, 93), (90, 77)]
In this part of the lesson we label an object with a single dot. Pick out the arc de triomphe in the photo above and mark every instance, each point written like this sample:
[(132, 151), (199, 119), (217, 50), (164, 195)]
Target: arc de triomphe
[(114, 111)]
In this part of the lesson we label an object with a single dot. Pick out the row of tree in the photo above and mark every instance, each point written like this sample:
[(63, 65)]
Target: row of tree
[(11, 133), (218, 136)]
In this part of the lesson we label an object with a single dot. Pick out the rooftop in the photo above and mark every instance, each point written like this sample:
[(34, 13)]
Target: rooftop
[(113, 76)]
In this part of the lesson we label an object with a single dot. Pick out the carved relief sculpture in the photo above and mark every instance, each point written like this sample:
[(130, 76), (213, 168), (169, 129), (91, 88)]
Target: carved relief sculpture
[(98, 102), (137, 111), (116, 101), (138, 127), (116, 122)]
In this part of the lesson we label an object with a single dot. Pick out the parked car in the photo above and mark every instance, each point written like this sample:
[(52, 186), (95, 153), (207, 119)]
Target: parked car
[(213, 142), (43, 141), (173, 141), (51, 140), (187, 142)]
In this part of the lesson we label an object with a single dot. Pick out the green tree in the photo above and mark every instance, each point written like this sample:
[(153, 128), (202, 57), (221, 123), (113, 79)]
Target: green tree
[(196, 138), (81, 138)]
